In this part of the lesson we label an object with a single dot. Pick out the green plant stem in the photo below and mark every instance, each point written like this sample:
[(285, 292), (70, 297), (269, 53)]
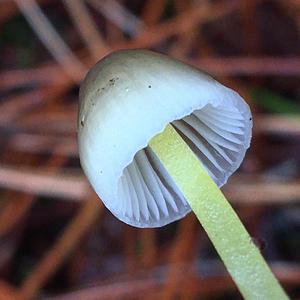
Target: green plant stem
[(230, 238)]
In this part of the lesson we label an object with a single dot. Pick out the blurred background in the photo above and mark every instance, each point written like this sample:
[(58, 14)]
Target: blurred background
[(57, 241)]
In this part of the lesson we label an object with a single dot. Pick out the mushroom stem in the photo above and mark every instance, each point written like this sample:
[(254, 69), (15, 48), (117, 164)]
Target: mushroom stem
[(241, 257)]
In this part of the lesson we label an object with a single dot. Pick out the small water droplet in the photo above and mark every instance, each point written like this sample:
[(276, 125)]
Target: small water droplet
[(82, 120)]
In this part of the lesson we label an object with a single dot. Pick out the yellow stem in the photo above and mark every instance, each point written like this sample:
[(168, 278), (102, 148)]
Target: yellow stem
[(230, 238)]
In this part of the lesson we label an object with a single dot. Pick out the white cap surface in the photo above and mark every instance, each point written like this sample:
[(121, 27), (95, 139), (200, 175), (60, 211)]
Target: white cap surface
[(130, 96)]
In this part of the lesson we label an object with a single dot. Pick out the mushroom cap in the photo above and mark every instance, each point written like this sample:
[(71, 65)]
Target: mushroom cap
[(130, 96)]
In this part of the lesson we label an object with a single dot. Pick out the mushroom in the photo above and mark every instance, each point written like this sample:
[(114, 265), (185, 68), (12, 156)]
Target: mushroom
[(147, 124), (125, 100)]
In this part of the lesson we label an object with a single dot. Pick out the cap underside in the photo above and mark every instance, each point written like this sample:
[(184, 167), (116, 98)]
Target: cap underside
[(147, 195)]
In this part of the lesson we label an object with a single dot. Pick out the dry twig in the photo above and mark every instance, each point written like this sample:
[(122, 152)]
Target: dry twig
[(87, 28), (55, 256), (51, 39)]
